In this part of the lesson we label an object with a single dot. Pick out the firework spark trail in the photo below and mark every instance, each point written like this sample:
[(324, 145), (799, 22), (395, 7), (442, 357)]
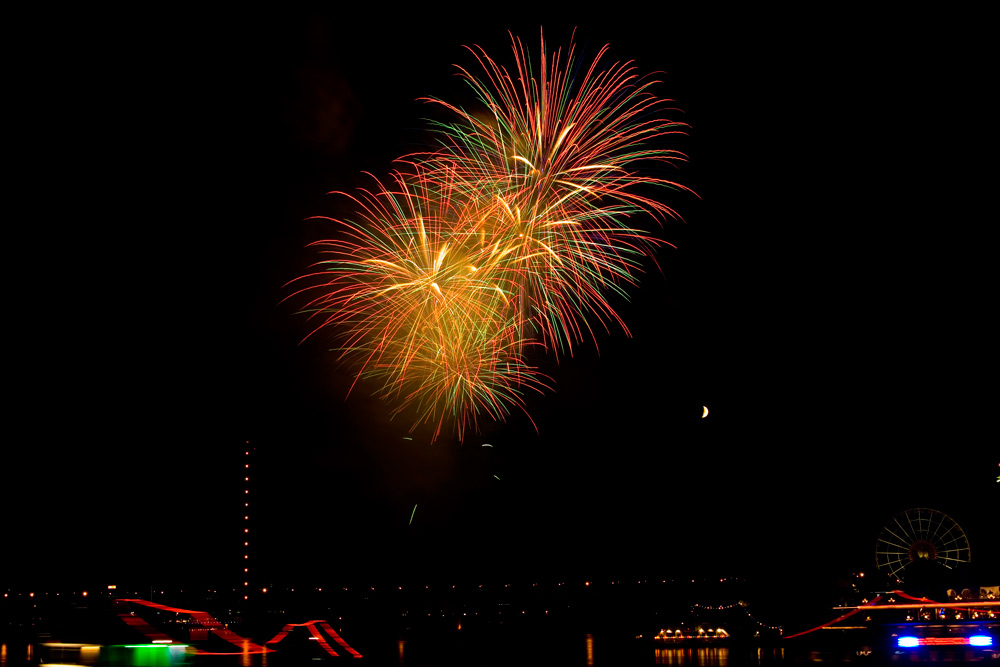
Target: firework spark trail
[(512, 232), (423, 313), (562, 158)]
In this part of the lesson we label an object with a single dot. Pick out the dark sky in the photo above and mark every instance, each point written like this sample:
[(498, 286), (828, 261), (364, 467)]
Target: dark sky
[(827, 301)]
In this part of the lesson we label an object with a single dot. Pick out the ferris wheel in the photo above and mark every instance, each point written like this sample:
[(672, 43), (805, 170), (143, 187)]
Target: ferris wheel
[(920, 534)]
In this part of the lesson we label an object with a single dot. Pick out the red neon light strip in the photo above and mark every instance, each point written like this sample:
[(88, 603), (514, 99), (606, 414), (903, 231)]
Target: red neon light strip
[(281, 635), (337, 638), (206, 620), (836, 620), (145, 628), (943, 641), (926, 602), (288, 628), (915, 599), (209, 622), (311, 625), (314, 631), (971, 606)]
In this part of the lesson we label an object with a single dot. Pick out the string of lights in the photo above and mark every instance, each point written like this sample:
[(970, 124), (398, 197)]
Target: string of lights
[(246, 520), (739, 606)]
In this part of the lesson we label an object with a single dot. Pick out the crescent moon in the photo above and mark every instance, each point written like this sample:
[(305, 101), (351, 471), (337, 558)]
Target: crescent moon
[(704, 411)]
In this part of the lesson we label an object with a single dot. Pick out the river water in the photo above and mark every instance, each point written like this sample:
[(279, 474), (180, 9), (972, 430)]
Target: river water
[(492, 648), (582, 650)]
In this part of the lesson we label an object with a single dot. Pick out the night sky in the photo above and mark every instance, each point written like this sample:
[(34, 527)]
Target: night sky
[(827, 301)]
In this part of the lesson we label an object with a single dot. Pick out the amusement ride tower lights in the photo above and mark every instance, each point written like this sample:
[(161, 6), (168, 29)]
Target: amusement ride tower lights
[(246, 521)]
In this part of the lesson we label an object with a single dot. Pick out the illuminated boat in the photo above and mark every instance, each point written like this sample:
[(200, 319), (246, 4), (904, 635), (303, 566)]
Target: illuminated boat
[(701, 634), (954, 641)]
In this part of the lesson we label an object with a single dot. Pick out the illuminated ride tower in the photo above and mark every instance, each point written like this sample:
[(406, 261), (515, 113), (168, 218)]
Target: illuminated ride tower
[(245, 532)]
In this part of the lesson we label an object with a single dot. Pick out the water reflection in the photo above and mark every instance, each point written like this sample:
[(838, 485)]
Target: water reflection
[(703, 657), (424, 652), (766, 655)]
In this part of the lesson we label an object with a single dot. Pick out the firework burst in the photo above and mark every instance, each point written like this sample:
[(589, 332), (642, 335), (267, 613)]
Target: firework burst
[(512, 232)]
